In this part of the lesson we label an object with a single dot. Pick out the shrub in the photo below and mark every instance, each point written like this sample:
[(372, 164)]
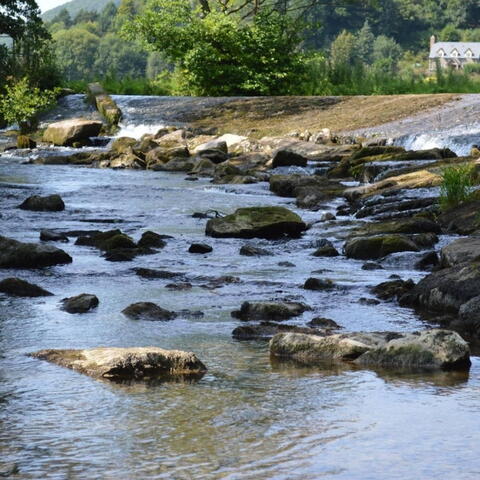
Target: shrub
[(457, 185), (22, 103)]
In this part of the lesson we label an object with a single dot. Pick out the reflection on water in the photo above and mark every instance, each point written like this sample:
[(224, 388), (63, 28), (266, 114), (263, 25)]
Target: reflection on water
[(247, 418)]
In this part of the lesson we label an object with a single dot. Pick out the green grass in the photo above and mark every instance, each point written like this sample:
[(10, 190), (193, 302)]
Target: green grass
[(457, 185)]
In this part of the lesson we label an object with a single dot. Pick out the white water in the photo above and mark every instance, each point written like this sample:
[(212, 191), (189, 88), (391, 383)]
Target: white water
[(137, 131), (459, 139)]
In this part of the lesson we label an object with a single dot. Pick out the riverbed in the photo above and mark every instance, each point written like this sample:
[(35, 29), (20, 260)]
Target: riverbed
[(247, 418)]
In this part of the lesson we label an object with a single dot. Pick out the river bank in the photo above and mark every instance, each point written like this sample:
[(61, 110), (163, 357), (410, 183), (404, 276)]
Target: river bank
[(249, 416)]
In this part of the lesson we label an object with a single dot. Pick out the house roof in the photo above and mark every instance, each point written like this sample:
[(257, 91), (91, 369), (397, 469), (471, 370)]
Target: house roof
[(449, 47)]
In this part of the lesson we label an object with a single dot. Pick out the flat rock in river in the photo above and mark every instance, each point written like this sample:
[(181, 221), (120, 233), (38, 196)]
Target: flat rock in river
[(431, 349), (20, 288), (372, 248), (260, 222), (135, 363)]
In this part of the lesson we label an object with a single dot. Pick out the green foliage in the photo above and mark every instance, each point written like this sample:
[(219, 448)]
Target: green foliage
[(22, 102), (73, 7), (219, 54), (386, 54), (457, 185), (343, 49)]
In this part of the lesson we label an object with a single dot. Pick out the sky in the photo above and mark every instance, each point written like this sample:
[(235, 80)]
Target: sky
[(48, 4)]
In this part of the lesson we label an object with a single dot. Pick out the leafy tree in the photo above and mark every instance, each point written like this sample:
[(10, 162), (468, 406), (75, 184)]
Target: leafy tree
[(386, 54), (21, 103), (118, 58), (344, 49), (63, 17), (156, 65), (107, 17), (75, 51), (217, 53), (450, 34)]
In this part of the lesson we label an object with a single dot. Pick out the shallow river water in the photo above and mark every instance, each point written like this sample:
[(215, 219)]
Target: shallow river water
[(247, 418)]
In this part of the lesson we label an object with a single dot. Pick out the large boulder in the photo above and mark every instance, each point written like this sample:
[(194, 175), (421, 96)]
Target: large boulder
[(431, 349), (136, 363), (460, 251), (369, 248), (82, 303), (284, 157), (261, 222), (67, 132), (15, 254), (266, 330), (50, 203), (445, 290), (20, 288), (269, 310)]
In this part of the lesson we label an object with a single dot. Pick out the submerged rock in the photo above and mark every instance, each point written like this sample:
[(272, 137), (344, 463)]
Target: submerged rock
[(51, 203), (20, 288), (15, 254), (326, 251), (261, 222), (148, 311), (53, 236), (270, 310), (134, 363), (431, 349), (266, 330), (321, 322), (152, 240), (393, 289), (366, 248), (82, 303), (252, 251), (67, 132)]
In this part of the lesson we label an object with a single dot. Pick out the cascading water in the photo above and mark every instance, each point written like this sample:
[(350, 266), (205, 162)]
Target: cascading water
[(459, 139)]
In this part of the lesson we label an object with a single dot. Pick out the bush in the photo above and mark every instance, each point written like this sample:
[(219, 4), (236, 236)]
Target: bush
[(22, 103), (457, 185)]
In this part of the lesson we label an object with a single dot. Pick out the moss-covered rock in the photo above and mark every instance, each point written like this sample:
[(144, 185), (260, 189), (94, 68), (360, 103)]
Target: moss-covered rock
[(261, 222), (370, 248)]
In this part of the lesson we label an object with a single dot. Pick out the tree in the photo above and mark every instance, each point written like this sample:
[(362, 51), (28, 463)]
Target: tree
[(63, 17), (364, 44), (15, 15), (386, 54), (75, 51), (344, 49), (216, 52), (107, 16)]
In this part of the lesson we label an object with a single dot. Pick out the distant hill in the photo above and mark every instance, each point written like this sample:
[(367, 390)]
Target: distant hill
[(74, 6)]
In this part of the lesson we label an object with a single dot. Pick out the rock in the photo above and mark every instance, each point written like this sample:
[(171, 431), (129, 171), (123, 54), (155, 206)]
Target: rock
[(82, 303), (266, 330), (286, 264), (53, 236), (14, 254), (215, 155), (168, 138), (122, 144), (392, 289), (134, 363), (120, 255), (204, 167), (428, 260), (463, 219), (163, 274), (269, 310), (180, 286), (177, 165), (468, 321), (20, 288), (26, 142), (431, 349), (152, 239), (50, 203), (401, 225), (292, 186), (318, 284), (371, 266), (127, 160), (261, 222), (252, 251), (213, 145), (324, 323), (460, 251), (326, 217), (148, 311), (66, 132), (162, 155), (120, 241), (287, 158), (8, 469), (368, 301), (445, 290), (365, 248), (326, 251), (200, 248)]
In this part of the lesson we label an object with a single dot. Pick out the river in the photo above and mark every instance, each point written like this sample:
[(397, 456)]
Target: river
[(247, 418)]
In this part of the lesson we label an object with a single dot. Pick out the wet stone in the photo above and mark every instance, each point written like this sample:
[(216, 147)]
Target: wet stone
[(50, 203), (82, 303), (201, 248), (21, 288), (148, 311), (318, 284)]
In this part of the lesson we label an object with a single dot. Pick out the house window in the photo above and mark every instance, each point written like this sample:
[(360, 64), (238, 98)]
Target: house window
[(455, 53), (441, 53), (469, 54)]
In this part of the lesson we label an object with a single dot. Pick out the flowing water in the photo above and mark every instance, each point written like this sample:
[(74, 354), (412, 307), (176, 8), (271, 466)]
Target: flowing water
[(247, 418)]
